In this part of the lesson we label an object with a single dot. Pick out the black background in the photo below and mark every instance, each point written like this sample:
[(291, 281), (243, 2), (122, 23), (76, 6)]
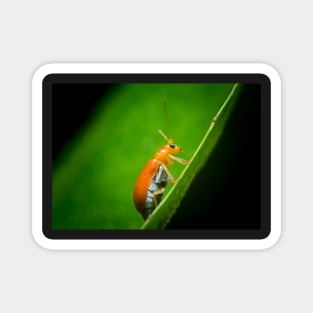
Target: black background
[(72, 106), (237, 203)]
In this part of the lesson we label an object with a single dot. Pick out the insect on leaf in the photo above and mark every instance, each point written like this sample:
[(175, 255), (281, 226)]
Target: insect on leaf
[(170, 204)]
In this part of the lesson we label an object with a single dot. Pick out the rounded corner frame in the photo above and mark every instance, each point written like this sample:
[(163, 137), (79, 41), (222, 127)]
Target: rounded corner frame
[(239, 68)]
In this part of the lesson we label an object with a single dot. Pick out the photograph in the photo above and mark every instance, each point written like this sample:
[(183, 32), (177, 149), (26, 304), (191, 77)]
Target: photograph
[(157, 156)]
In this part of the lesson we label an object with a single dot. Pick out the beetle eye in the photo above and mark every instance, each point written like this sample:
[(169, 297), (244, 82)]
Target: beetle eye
[(172, 145)]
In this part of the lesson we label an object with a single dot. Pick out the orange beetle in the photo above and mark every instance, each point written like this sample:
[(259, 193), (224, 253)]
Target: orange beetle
[(153, 179)]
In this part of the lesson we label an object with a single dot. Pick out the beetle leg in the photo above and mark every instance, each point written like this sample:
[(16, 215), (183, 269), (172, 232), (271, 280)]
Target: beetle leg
[(157, 192), (170, 177), (179, 160)]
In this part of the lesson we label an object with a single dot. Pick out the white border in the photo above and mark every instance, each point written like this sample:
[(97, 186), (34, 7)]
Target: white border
[(239, 68)]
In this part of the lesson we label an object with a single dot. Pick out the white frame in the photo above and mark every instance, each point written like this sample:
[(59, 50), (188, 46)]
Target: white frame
[(168, 244)]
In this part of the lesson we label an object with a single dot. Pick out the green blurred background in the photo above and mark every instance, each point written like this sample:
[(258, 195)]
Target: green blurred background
[(103, 135)]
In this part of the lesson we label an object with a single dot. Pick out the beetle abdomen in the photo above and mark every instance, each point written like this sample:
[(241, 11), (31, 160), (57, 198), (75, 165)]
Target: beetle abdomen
[(159, 181)]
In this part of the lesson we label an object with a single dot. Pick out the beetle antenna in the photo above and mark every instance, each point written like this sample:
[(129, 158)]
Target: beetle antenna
[(163, 135), (167, 122)]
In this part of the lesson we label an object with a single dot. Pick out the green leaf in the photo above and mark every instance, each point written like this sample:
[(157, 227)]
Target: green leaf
[(164, 212)]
